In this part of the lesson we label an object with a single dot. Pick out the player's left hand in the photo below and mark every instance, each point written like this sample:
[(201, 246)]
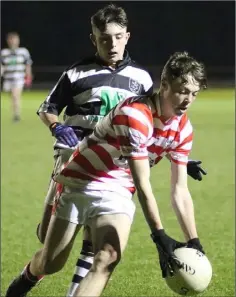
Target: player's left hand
[(194, 243), (28, 81), (195, 170), (64, 134)]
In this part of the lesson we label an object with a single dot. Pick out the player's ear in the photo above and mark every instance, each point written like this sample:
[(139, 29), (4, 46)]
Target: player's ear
[(164, 84), (93, 39), (127, 37)]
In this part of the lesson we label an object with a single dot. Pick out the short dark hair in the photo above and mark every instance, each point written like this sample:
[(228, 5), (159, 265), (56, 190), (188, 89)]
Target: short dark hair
[(181, 64), (109, 14), (12, 33)]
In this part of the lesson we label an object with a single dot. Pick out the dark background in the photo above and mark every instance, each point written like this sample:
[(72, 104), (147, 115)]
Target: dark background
[(57, 33)]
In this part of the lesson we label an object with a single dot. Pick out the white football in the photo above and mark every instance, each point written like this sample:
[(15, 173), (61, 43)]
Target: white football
[(195, 274)]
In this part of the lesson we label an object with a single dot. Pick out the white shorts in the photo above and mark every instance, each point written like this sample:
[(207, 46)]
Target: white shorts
[(9, 85), (60, 156), (78, 207)]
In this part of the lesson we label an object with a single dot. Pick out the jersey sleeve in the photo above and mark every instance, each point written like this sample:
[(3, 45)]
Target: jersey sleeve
[(3, 53), (148, 85), (28, 60), (180, 154), (133, 126), (58, 98)]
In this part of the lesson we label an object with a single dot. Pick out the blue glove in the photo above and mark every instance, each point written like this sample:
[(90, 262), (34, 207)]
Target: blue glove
[(195, 170), (64, 134)]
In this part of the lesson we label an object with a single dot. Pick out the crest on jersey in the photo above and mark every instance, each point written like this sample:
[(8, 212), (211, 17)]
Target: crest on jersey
[(134, 86)]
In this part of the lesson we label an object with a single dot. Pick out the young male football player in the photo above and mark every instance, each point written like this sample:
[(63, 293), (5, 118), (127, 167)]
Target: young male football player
[(98, 182), (89, 90), (16, 70)]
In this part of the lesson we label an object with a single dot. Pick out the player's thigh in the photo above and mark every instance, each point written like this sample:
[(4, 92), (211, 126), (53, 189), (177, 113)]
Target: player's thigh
[(16, 91), (59, 240), (68, 215), (60, 156), (111, 218), (6, 86), (45, 220), (87, 233), (110, 230), (51, 193)]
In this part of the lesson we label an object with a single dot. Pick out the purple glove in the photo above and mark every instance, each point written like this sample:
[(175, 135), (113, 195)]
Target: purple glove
[(64, 134)]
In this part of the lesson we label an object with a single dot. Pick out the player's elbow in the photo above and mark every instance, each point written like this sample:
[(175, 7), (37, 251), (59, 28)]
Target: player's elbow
[(42, 116)]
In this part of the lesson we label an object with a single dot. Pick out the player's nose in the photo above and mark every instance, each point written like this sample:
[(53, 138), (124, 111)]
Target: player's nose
[(113, 43), (188, 98)]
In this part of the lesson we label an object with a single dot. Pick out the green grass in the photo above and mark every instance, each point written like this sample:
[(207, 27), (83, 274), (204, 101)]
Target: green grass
[(26, 166)]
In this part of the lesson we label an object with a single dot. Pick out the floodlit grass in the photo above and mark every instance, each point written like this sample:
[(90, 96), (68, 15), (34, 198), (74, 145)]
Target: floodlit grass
[(26, 167)]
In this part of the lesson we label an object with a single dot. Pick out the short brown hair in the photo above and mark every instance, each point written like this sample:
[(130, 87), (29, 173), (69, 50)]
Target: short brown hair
[(181, 64), (109, 14), (12, 33)]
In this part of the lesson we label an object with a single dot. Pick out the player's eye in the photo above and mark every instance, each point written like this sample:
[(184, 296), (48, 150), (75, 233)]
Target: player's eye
[(104, 38)]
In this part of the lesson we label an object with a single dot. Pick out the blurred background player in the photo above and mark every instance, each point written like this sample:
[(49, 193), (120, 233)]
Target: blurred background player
[(99, 185), (16, 71)]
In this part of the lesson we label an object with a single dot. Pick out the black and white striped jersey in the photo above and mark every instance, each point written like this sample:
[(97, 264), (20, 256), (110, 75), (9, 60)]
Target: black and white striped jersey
[(14, 63), (88, 90)]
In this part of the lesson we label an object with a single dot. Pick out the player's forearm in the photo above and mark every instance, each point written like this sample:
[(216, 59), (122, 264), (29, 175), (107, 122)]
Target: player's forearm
[(48, 118), (149, 206), (28, 71), (184, 209), (140, 171)]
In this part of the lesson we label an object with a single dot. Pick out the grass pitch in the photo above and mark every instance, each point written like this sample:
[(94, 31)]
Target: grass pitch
[(26, 167)]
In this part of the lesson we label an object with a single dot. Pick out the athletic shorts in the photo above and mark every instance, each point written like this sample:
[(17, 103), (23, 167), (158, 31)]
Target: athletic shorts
[(78, 207), (60, 156), (7, 85)]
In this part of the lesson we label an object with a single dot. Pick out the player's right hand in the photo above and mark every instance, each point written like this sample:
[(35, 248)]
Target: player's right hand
[(166, 246), (64, 134)]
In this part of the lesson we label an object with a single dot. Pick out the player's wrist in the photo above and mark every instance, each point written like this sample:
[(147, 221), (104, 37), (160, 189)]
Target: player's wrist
[(53, 126), (156, 234), (194, 240), (195, 244)]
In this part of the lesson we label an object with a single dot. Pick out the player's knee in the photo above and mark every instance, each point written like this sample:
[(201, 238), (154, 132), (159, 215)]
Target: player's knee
[(50, 267), (15, 97), (106, 259)]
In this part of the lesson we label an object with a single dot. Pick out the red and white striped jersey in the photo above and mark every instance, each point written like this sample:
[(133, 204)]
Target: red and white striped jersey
[(133, 129)]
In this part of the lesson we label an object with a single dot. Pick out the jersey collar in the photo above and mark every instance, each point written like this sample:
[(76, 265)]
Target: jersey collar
[(159, 115), (119, 65)]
